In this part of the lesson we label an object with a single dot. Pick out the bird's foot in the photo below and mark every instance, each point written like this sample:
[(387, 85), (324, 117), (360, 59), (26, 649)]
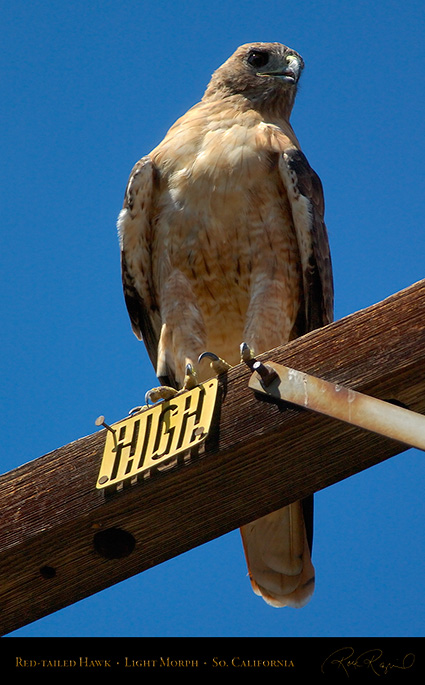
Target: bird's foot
[(220, 366), (165, 392), (190, 378), (247, 354), (267, 373), (162, 392), (217, 364)]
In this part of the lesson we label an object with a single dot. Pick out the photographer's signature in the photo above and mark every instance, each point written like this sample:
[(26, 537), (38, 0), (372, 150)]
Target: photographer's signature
[(346, 661)]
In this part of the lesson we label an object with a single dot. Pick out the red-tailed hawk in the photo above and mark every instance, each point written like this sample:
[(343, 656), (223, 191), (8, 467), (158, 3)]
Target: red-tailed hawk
[(222, 242)]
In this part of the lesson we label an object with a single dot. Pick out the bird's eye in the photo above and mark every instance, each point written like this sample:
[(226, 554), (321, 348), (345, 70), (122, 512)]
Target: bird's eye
[(258, 59)]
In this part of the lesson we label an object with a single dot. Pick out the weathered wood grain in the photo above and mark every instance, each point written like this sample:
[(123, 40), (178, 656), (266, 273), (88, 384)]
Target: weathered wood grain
[(260, 456)]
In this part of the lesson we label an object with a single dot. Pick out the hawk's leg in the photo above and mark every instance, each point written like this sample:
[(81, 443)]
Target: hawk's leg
[(271, 314), (182, 338)]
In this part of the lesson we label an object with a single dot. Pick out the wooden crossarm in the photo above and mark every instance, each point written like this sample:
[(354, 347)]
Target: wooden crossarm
[(61, 539)]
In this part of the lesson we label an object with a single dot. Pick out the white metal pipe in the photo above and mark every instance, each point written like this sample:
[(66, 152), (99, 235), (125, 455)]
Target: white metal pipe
[(340, 402)]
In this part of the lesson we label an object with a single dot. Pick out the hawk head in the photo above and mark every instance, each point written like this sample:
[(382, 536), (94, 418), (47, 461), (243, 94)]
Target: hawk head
[(265, 73)]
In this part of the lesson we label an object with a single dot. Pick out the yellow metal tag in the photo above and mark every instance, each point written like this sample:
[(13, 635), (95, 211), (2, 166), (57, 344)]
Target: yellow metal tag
[(153, 437)]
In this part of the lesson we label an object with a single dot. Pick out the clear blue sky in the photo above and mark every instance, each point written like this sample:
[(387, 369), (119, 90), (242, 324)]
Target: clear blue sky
[(87, 89)]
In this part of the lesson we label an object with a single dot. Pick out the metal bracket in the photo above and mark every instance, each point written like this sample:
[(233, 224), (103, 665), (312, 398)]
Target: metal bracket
[(339, 402)]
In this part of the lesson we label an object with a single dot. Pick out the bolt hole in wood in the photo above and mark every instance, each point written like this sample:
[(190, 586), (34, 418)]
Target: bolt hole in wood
[(114, 543), (48, 572)]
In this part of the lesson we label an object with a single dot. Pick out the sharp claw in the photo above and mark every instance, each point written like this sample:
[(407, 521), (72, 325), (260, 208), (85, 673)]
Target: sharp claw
[(247, 353), (163, 392), (217, 364), (266, 373), (208, 355), (191, 378), (136, 410)]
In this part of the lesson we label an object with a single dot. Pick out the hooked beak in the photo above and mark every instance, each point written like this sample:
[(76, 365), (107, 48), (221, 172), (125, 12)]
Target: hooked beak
[(290, 74)]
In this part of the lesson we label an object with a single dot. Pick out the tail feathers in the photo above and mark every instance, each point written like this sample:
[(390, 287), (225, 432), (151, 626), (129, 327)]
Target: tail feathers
[(278, 557)]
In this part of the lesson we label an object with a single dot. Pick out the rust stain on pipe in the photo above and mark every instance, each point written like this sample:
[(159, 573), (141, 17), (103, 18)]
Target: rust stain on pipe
[(340, 402)]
